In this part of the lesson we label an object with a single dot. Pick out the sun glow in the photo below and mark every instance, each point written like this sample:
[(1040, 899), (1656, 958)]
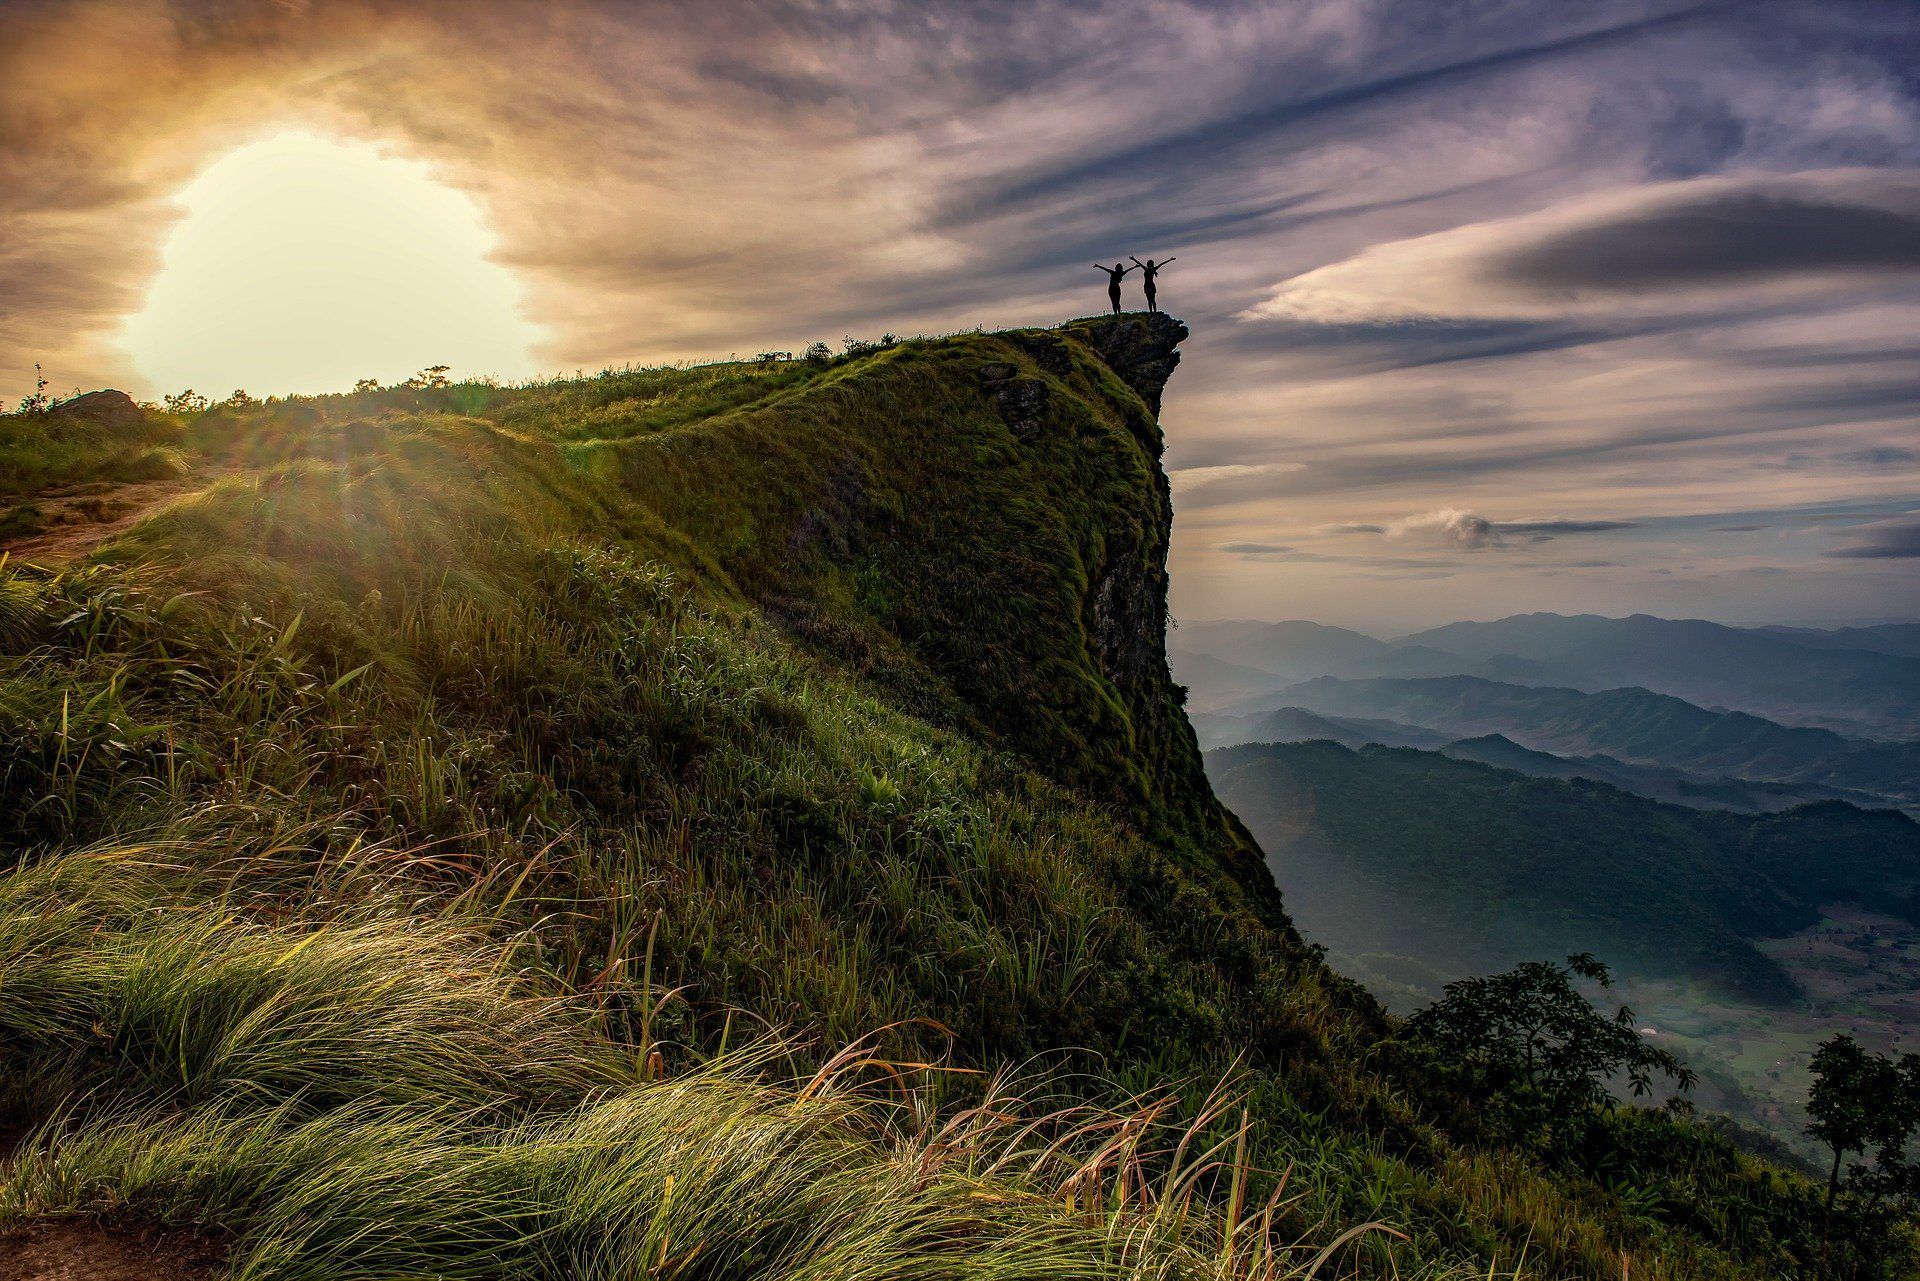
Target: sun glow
[(305, 263)]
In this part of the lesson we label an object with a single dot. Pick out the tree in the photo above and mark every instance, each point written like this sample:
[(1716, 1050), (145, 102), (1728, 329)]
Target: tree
[(432, 377), (1531, 1031), (39, 402), (1862, 1102)]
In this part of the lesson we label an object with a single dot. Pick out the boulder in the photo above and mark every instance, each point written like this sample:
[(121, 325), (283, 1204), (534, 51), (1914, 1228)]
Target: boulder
[(107, 407)]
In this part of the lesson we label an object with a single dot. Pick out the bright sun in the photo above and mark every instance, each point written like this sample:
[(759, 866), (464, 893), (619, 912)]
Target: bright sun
[(306, 263)]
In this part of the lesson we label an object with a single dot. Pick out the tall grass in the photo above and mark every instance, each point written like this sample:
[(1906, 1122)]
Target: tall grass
[(39, 451), (375, 1096)]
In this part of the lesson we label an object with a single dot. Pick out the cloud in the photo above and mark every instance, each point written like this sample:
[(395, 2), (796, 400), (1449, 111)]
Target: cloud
[(1646, 249), (1254, 549), (1879, 456), (1188, 480), (1447, 527), (1550, 527), (784, 170), (1897, 539), (1454, 527)]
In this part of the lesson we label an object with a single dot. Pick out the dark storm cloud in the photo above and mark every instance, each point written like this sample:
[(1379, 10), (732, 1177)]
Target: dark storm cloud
[(1725, 235), (1888, 540), (1683, 249)]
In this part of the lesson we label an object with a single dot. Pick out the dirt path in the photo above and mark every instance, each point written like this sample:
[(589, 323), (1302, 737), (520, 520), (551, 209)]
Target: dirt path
[(62, 525), (84, 1250)]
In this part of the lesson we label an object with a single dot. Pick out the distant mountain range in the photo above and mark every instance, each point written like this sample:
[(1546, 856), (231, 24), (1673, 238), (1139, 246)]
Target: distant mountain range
[(1468, 867), (1673, 786), (1883, 638), (1861, 682), (1616, 728)]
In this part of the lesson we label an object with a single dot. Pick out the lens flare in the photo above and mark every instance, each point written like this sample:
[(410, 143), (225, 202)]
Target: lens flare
[(305, 263)]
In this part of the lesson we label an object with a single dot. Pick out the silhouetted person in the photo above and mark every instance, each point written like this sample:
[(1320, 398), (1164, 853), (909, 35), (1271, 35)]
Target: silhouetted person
[(1148, 270), (1115, 274)]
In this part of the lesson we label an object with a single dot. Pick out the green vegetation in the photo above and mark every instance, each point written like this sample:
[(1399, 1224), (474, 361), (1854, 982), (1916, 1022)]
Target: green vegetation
[(1863, 1104), (1533, 1040), (1405, 845), (40, 450), (413, 836)]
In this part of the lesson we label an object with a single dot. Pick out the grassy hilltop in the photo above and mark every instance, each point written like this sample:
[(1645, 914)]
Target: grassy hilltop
[(458, 836)]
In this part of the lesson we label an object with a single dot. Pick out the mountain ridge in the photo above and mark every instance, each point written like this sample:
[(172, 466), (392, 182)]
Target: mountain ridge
[(1634, 725)]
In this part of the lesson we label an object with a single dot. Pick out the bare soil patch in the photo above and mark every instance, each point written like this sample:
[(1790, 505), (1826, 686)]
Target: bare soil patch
[(62, 525), (85, 1250)]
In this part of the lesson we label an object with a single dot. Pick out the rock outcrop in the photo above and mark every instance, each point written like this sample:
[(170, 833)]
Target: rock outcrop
[(107, 407), (1142, 347)]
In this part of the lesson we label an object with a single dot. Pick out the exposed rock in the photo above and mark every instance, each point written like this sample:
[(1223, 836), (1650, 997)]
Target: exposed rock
[(1049, 351), (1129, 621), (1140, 346), (107, 407), (1022, 402)]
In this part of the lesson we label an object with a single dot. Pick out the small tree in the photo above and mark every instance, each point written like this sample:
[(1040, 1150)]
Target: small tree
[(39, 402), (1530, 1031), (1862, 1102), (433, 376)]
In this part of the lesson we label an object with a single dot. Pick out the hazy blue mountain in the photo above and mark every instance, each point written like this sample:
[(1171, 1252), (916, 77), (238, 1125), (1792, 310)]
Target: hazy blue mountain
[(1233, 661), (1296, 649), (1634, 725), (1779, 676), (1298, 725), (1213, 681), (1884, 638), (1466, 866), (1656, 782)]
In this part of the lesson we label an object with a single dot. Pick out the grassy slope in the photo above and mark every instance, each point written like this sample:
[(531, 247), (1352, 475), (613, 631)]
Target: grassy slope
[(703, 700)]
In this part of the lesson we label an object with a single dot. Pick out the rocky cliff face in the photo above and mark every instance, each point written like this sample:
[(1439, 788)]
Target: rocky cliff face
[(1142, 347), (1127, 606)]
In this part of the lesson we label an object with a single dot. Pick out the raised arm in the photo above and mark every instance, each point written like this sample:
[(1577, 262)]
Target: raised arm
[(1136, 262), (1165, 261)]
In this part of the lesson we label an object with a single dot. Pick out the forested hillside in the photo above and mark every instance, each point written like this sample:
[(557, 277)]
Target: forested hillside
[(1398, 847)]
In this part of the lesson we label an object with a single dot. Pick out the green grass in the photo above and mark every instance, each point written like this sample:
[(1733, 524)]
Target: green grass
[(373, 1096), (483, 784), (40, 451)]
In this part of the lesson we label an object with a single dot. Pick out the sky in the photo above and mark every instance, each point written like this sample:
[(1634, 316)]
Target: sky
[(1498, 305)]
